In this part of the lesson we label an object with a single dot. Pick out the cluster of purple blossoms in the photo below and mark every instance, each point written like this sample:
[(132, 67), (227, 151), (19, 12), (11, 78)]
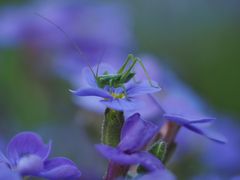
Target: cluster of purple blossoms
[(129, 150), (137, 135), (27, 155)]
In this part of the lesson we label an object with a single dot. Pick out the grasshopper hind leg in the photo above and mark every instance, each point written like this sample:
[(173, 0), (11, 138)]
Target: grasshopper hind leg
[(134, 61), (146, 73)]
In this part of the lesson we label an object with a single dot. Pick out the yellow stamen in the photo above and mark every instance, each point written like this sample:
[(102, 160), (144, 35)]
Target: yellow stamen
[(118, 96)]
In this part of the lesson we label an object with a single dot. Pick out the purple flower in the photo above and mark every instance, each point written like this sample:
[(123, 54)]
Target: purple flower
[(191, 124), (6, 173), (181, 113), (119, 98), (94, 25), (230, 159), (27, 155), (136, 134), (160, 174)]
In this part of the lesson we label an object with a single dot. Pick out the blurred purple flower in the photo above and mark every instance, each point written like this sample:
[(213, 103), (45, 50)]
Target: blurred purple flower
[(180, 113), (102, 31), (136, 133), (8, 174), (91, 25), (215, 176), (163, 174), (230, 159), (190, 124), (122, 99), (27, 155)]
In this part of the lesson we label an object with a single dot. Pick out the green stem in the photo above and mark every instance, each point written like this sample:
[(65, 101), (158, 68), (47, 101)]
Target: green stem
[(111, 128), (111, 132)]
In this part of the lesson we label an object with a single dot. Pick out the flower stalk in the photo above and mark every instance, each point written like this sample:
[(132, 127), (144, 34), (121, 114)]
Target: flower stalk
[(115, 170), (168, 133), (111, 132), (111, 127)]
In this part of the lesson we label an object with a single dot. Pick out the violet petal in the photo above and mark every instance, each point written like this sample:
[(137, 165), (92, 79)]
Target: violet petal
[(8, 174), (150, 162), (117, 155), (136, 133), (210, 134), (160, 174), (122, 104), (3, 158), (141, 89), (92, 92), (147, 160), (129, 124), (204, 132), (60, 168), (181, 120), (27, 143)]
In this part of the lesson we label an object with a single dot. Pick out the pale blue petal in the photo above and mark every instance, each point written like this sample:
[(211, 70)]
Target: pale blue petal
[(60, 168), (147, 160), (189, 125), (163, 174), (8, 174), (138, 89), (92, 92), (122, 104)]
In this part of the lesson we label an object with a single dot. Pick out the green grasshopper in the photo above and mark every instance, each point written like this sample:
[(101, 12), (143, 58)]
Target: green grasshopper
[(123, 75)]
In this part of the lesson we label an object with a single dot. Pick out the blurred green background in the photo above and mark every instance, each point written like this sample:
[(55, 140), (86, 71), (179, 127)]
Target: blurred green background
[(201, 40)]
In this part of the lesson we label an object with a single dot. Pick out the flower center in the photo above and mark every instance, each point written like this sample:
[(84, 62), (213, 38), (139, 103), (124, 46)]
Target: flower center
[(118, 95), (29, 164)]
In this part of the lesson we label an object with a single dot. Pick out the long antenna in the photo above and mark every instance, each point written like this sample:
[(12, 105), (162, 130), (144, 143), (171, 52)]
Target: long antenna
[(73, 43), (100, 60)]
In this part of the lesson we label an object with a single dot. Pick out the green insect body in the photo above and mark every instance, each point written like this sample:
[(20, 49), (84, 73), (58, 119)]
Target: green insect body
[(113, 80), (123, 75)]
